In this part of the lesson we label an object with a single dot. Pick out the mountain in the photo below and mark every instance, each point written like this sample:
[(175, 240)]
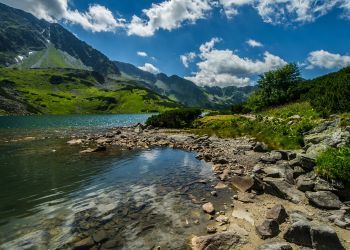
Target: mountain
[(185, 91), (22, 34), (73, 91)]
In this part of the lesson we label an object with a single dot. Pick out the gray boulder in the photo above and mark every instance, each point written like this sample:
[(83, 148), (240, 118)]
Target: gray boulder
[(277, 213), (325, 238), (282, 189), (260, 147), (268, 229), (271, 158), (305, 184), (299, 233), (324, 199)]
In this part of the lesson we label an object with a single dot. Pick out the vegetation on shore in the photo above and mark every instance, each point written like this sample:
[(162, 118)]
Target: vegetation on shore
[(71, 91), (335, 163), (179, 118)]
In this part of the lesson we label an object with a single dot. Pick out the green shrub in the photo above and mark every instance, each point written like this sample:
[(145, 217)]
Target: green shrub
[(276, 87), (335, 164), (179, 118)]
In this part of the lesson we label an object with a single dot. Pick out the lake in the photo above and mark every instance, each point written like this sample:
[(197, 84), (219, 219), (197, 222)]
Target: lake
[(51, 195)]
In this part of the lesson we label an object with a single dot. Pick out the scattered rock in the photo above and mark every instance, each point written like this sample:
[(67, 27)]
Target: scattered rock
[(243, 184), (271, 157), (246, 197), (208, 208), (277, 213), (276, 245), (325, 238), (75, 142), (304, 161), (299, 233), (214, 193), (268, 229), (220, 185), (99, 148), (282, 189), (218, 241), (324, 199)]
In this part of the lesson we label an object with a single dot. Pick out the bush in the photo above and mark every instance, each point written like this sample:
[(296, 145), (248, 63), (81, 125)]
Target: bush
[(276, 87), (335, 164), (179, 118)]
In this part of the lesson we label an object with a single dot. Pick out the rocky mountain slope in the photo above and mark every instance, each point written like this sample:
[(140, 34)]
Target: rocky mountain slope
[(21, 34), (185, 91)]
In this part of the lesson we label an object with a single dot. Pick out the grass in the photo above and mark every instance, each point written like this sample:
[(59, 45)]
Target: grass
[(79, 92), (335, 163), (274, 126)]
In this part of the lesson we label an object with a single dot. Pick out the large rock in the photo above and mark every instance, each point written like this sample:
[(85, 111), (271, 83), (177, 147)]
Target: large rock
[(305, 184), (324, 199), (219, 241), (271, 158), (325, 238), (275, 245), (268, 229), (282, 189), (208, 208), (243, 184), (277, 213), (299, 233), (260, 147), (304, 161), (280, 170)]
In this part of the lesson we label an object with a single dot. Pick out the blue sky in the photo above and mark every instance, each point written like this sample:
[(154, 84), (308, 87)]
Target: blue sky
[(313, 33)]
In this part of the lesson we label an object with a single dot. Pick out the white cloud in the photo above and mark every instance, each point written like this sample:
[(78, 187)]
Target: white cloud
[(142, 53), (327, 60), (149, 68), (230, 6), (96, 19), (187, 58), (168, 15), (254, 43), (225, 68)]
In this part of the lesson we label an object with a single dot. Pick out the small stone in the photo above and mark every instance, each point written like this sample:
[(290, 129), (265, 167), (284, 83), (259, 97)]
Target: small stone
[(278, 213), (222, 219), (208, 208), (214, 193), (211, 229), (268, 229), (220, 185), (260, 147), (220, 241)]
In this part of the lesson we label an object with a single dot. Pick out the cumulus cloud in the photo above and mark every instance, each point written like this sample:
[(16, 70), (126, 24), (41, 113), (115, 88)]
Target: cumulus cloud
[(225, 68), (96, 19), (326, 60), (142, 53), (149, 68), (168, 15), (253, 43), (187, 58)]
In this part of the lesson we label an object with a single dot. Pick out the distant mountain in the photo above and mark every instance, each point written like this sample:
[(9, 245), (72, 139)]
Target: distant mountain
[(185, 91), (22, 34)]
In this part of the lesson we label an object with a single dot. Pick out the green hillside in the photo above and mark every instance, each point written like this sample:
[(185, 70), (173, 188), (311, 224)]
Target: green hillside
[(50, 57), (69, 91)]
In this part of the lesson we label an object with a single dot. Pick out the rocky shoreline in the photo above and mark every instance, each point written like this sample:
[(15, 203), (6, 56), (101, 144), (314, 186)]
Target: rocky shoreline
[(281, 203)]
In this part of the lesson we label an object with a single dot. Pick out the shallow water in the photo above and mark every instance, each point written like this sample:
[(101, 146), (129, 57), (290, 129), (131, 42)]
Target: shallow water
[(51, 195)]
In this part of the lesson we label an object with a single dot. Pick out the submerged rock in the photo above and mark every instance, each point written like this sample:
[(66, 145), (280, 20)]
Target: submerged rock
[(276, 245), (218, 241), (208, 208), (83, 244)]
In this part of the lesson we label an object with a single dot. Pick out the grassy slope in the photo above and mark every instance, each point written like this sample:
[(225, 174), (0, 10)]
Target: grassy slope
[(79, 92), (274, 126)]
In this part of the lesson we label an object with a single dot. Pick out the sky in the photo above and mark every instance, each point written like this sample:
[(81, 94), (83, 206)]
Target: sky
[(210, 42)]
